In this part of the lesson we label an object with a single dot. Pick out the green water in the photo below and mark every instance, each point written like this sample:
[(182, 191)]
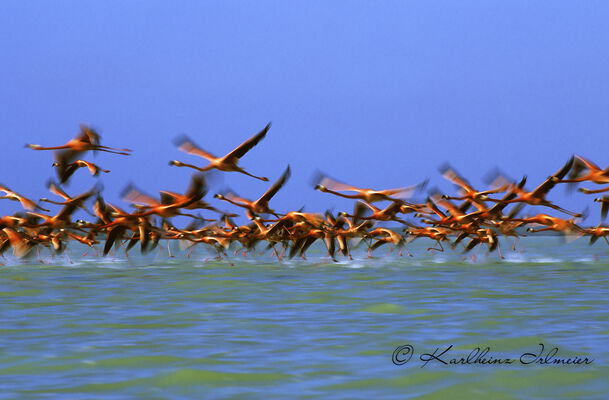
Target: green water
[(251, 328)]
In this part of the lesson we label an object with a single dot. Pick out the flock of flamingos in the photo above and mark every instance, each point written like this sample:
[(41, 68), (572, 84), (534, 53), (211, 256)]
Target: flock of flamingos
[(468, 219)]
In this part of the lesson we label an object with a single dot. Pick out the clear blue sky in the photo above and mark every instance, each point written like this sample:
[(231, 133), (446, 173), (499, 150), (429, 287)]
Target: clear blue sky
[(378, 94)]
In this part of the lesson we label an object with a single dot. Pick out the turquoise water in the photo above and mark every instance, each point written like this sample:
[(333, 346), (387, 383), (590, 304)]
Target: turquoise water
[(182, 328)]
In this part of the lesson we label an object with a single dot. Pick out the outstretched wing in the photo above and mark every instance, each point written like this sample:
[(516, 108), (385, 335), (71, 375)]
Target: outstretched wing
[(89, 135), (247, 145), (134, 195), (56, 190), (549, 183), (268, 195), (451, 175), (186, 145)]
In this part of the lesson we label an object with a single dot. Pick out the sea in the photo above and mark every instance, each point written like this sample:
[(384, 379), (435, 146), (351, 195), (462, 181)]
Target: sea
[(421, 325)]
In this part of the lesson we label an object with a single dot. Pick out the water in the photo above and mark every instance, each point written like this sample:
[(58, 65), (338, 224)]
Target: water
[(178, 328)]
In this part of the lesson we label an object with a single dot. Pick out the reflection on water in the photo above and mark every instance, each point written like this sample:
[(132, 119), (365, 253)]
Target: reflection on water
[(157, 327)]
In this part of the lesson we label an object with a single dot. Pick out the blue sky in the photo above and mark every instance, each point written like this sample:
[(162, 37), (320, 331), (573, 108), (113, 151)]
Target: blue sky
[(378, 94)]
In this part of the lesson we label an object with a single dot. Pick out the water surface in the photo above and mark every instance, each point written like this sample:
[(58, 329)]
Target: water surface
[(179, 328)]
